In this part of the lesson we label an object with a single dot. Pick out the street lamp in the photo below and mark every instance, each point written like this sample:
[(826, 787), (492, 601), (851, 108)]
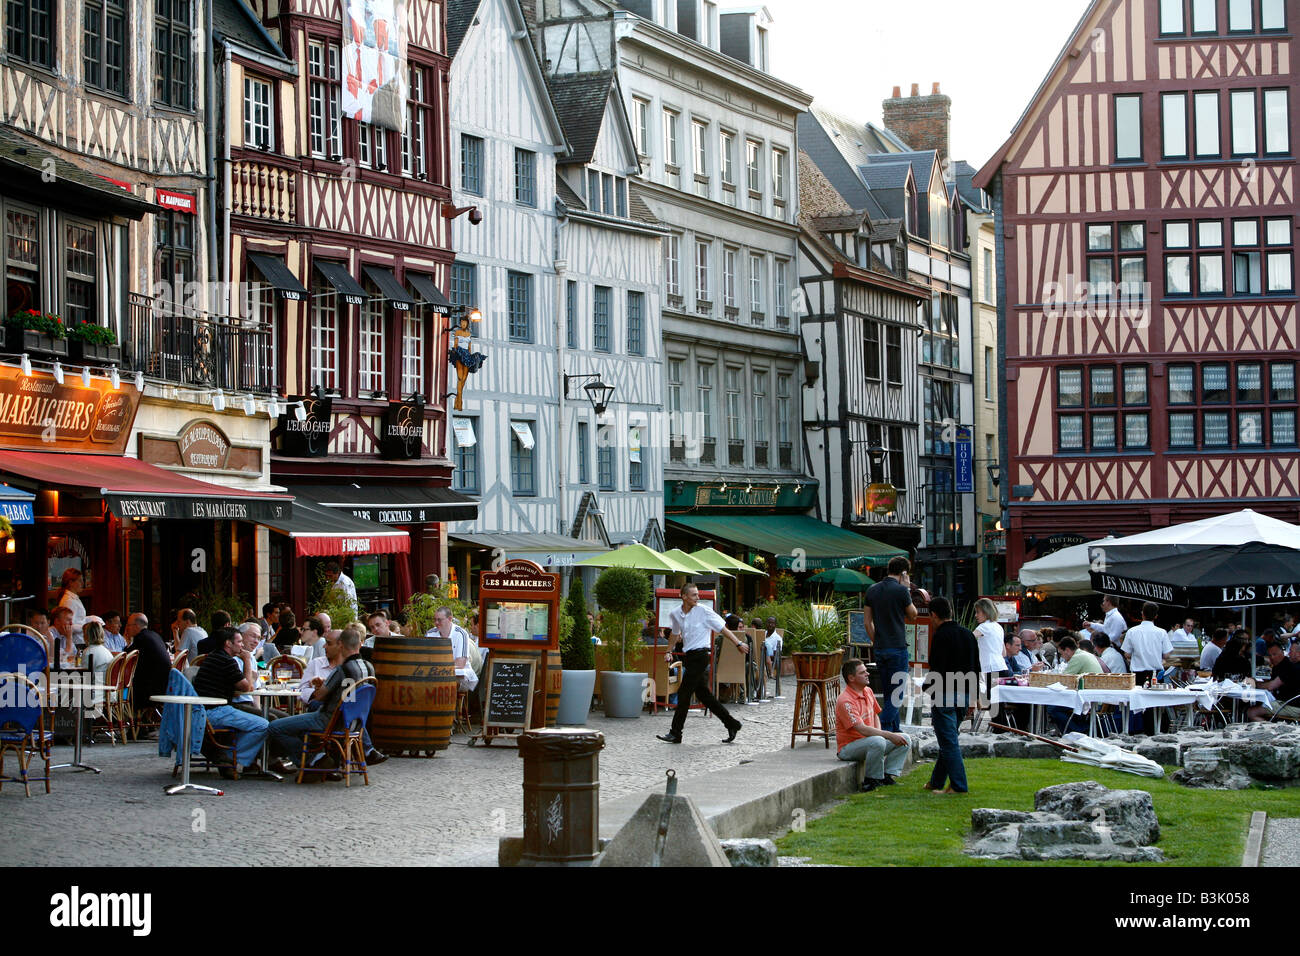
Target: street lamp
[(598, 393), (995, 473)]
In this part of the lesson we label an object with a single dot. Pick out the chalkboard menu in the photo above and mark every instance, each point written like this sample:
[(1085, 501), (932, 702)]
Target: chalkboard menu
[(509, 692), (858, 628)]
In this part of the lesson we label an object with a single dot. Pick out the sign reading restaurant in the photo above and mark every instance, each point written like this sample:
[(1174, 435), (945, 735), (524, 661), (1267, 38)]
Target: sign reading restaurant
[(37, 412), (179, 507)]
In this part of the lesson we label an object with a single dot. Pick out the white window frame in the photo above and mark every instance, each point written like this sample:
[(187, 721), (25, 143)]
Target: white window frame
[(672, 156), (325, 330), (370, 343), (756, 262), (703, 253), (259, 128), (412, 353)]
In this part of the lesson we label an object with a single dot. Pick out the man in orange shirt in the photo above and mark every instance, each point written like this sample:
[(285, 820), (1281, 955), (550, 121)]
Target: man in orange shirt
[(858, 736)]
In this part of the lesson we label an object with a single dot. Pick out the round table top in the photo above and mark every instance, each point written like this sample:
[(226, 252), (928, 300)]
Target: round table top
[(275, 692), (179, 699), (59, 690)]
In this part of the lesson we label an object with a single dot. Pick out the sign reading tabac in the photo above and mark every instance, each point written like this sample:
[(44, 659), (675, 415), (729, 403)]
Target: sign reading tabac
[(37, 412)]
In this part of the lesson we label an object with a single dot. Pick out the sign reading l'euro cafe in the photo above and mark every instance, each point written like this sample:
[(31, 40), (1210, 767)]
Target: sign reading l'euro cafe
[(38, 413)]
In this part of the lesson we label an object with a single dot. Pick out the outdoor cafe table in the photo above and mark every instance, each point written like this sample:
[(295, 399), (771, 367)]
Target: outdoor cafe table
[(268, 693), (52, 695), (1039, 697), (184, 743), (1237, 693)]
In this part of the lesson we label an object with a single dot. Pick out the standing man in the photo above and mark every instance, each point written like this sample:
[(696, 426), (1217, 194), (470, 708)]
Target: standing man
[(227, 673), (337, 579), (889, 609), (694, 624), (1113, 623), (858, 735), (1146, 646), (954, 680)]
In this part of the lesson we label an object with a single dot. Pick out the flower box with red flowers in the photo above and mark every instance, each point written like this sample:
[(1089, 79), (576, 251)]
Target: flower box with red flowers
[(90, 342), (37, 331)]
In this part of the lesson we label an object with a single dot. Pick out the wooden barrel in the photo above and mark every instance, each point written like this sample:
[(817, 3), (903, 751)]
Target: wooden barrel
[(416, 704), (554, 678)]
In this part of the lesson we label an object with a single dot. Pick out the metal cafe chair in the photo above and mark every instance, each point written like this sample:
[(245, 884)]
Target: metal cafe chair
[(344, 734), (22, 729)]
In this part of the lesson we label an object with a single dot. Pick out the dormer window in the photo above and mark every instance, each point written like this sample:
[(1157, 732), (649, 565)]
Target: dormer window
[(606, 193), (909, 210)]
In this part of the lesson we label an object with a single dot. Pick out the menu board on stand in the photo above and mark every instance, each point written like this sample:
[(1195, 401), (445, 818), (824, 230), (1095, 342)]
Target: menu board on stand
[(519, 611)]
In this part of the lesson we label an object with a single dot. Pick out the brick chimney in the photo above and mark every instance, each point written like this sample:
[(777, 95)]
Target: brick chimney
[(922, 122)]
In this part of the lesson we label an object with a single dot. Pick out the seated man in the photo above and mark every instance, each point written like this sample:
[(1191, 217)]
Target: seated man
[(1285, 684), (320, 667), (1011, 654), (773, 644), (1213, 648), (312, 637), (286, 734), (113, 639), (858, 736), (1077, 661), (226, 673), (446, 626), (188, 633), (250, 634), (1112, 661)]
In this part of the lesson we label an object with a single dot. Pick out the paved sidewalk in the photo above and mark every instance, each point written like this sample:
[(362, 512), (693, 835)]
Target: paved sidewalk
[(1281, 842), (449, 810)]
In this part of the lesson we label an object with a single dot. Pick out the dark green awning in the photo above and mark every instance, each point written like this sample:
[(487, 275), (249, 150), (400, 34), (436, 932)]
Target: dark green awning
[(793, 537)]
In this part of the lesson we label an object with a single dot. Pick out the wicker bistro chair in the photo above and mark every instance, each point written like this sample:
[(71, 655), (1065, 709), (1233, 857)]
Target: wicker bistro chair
[(181, 661), (22, 729), (344, 734), (106, 721)]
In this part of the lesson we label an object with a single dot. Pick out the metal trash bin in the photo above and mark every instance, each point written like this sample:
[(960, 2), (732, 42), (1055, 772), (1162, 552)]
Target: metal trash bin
[(561, 796)]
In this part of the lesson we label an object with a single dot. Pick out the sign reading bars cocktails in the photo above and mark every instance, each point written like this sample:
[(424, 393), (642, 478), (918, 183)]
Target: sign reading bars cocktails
[(37, 412)]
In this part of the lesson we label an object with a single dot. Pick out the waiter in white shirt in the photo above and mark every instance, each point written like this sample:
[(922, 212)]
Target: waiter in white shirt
[(695, 625), (337, 579), (1113, 624), (1146, 646)]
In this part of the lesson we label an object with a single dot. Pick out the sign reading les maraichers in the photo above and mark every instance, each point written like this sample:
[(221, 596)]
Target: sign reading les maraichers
[(37, 412), (520, 575)]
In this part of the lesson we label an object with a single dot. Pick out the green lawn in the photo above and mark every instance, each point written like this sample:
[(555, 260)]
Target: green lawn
[(905, 825)]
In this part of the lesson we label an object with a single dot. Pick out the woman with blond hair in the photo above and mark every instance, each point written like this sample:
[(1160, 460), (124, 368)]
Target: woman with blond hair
[(989, 634), (70, 586), (96, 656)]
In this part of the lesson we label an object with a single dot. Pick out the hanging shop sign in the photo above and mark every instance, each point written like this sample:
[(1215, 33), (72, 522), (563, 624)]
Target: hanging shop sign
[(882, 498), (403, 431), (309, 438), (38, 413)]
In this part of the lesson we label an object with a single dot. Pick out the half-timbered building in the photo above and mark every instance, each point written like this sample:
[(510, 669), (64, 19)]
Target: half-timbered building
[(906, 192), (339, 242), (106, 213), (1146, 209), (714, 131), (861, 414)]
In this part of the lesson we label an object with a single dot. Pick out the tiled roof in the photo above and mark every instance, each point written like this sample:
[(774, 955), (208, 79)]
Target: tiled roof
[(848, 222), (971, 194), (885, 230), (234, 21), (567, 195), (580, 102), (636, 205), (460, 15)]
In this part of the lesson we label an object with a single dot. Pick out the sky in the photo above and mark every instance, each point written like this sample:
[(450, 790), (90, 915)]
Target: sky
[(988, 55)]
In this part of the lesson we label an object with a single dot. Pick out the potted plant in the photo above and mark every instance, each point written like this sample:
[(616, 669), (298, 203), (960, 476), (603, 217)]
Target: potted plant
[(815, 640), (40, 332), (623, 594), (578, 657), (90, 342)]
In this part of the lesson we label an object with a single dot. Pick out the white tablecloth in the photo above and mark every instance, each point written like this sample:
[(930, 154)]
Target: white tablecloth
[(1141, 699), (1014, 694), (1251, 695)]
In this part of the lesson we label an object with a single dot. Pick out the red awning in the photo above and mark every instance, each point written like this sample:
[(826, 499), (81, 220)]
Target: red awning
[(320, 532), (136, 489)]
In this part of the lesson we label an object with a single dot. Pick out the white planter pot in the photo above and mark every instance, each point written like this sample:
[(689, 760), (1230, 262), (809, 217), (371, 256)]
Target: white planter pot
[(623, 693), (575, 698)]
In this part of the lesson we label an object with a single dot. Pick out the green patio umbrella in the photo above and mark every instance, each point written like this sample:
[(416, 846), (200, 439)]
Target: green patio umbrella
[(636, 556), (705, 567), (717, 558), (842, 579)]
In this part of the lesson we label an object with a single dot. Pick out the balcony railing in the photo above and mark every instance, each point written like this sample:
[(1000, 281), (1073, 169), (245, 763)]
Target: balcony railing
[(735, 452), (264, 191), (708, 451), (785, 454), (196, 349), (760, 454)]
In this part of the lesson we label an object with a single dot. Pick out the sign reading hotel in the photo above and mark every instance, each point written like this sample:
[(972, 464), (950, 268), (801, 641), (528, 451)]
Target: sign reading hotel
[(38, 413)]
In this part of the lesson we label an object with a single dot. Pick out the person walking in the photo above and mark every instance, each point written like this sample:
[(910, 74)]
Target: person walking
[(888, 611), (694, 624), (954, 686)]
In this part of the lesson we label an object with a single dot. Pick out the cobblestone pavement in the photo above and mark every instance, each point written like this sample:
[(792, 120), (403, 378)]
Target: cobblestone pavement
[(1281, 842), (448, 810)]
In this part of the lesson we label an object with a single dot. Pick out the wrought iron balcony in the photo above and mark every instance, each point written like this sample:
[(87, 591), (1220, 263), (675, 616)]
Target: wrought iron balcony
[(191, 348)]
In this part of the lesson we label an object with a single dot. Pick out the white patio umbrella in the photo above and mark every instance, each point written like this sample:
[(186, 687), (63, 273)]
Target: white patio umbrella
[(1062, 573)]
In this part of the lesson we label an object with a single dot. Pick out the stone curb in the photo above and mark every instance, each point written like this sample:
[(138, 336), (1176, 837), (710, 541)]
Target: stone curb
[(1255, 839)]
